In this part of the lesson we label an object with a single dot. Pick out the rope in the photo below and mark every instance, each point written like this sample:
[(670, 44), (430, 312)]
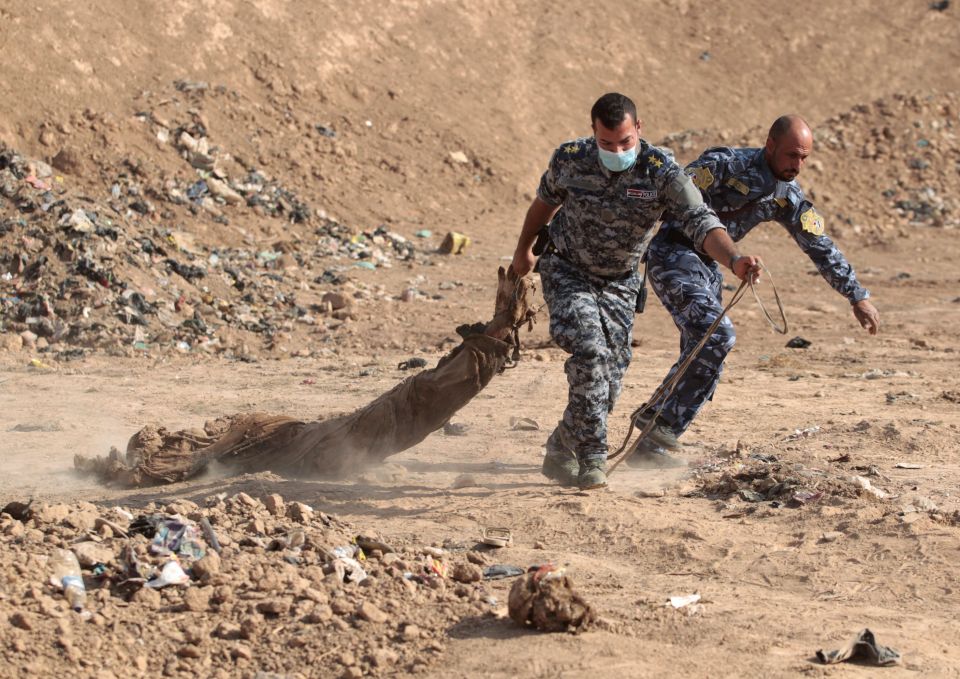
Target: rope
[(664, 391)]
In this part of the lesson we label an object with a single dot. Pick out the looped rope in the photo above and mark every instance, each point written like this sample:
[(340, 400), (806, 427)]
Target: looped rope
[(664, 391)]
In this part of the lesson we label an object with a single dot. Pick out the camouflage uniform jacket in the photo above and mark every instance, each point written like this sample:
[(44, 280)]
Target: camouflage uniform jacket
[(607, 219), (738, 184)]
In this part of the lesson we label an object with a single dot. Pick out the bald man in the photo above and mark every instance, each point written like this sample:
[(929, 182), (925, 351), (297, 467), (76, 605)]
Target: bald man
[(744, 186)]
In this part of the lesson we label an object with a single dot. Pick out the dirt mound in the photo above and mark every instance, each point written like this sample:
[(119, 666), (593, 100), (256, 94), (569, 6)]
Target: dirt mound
[(269, 584)]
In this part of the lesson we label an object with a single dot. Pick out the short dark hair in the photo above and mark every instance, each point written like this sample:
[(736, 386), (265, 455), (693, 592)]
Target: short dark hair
[(611, 109)]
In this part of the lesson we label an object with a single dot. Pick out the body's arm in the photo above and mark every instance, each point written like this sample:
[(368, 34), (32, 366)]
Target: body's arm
[(538, 214)]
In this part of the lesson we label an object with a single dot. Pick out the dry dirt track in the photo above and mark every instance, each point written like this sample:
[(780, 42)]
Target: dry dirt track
[(774, 591)]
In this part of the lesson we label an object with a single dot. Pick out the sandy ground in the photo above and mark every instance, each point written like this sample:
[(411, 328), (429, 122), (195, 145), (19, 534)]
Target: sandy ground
[(773, 590), (514, 80)]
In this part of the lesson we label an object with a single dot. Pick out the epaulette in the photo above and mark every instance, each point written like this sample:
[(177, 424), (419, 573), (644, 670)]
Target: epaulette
[(654, 160), (572, 150)]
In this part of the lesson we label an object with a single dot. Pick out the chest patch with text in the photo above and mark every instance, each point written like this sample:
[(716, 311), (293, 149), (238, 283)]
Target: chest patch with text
[(641, 194)]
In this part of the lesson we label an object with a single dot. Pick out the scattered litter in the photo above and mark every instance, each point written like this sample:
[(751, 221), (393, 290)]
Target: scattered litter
[(411, 363), (682, 601), (454, 244), (500, 571), (864, 484), (66, 576), (864, 647), (171, 574), (524, 424), (908, 465), (803, 433), (496, 537), (455, 428)]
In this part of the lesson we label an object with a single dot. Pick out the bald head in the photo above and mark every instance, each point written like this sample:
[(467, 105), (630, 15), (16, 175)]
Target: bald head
[(790, 125), (789, 142)]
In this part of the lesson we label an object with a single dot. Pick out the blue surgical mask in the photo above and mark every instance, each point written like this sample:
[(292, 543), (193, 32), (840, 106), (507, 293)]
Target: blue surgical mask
[(618, 162)]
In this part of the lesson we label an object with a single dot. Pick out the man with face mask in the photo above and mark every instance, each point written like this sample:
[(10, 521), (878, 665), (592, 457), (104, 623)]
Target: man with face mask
[(745, 186), (607, 193)]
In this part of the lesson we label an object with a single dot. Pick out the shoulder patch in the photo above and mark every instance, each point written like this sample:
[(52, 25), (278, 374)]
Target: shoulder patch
[(782, 202), (702, 177), (811, 222), (735, 183), (572, 149)]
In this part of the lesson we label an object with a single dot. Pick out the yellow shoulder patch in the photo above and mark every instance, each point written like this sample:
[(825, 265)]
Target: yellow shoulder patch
[(811, 222), (738, 185), (570, 149), (782, 202), (702, 177), (653, 160)]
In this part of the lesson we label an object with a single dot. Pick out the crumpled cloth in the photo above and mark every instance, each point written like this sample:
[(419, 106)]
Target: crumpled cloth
[(864, 646)]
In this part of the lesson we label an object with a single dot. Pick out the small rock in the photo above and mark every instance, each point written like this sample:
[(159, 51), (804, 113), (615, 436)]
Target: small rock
[(190, 651), (23, 620), (208, 566), (411, 632), (227, 630), (369, 612), (831, 536), (459, 157), (467, 572), (241, 651), (299, 512), (89, 554), (320, 613), (197, 599), (274, 504), (274, 606), (477, 558), (245, 499), (337, 300), (147, 597)]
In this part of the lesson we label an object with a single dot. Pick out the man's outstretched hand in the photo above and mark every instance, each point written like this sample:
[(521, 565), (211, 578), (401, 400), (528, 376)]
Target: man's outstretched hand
[(867, 315)]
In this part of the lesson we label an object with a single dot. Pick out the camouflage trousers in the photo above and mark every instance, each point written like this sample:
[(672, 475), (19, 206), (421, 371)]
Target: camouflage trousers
[(691, 291), (591, 319)]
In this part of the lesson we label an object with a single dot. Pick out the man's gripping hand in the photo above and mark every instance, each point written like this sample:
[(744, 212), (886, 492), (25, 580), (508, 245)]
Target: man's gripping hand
[(746, 267), (523, 261)]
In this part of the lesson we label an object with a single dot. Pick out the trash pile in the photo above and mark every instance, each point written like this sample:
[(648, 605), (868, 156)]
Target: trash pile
[(897, 160), (117, 270), (234, 585), (763, 478)]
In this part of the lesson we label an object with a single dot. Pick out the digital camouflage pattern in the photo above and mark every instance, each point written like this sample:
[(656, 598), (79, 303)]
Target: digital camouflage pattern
[(607, 219), (591, 283), (739, 186)]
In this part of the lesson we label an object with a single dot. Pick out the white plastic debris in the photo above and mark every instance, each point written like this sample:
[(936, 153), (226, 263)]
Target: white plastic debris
[(865, 484), (683, 601), (172, 574)]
